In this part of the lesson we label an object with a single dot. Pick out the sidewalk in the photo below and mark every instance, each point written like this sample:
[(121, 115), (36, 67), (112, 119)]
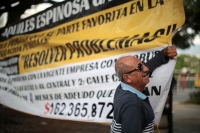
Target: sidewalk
[(186, 117)]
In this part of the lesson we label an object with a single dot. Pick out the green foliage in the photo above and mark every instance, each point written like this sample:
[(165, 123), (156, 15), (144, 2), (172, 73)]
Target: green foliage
[(194, 98), (182, 38), (192, 63)]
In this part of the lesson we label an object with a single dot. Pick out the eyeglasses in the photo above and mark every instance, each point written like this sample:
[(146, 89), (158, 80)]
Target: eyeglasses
[(140, 67)]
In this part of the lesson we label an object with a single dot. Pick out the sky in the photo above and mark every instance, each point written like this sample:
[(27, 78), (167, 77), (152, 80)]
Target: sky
[(193, 50)]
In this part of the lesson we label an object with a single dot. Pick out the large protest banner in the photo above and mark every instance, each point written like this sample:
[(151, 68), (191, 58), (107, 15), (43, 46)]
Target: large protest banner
[(59, 63)]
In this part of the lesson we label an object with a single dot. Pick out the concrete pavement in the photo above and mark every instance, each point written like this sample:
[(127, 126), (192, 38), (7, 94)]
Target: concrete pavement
[(186, 117)]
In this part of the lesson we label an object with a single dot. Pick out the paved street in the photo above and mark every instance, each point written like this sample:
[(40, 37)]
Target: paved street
[(186, 116), (186, 119)]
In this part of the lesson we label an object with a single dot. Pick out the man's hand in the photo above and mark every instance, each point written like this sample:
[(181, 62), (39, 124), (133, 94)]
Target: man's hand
[(170, 51)]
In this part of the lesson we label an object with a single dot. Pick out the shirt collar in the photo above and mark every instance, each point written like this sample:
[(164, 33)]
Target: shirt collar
[(133, 90)]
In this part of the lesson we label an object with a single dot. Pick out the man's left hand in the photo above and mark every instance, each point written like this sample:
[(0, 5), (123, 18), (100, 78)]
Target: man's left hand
[(170, 51)]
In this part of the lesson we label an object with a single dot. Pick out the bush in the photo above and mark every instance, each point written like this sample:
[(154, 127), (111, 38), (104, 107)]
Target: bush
[(194, 98)]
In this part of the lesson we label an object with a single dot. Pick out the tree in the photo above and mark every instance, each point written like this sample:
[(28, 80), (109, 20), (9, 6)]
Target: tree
[(189, 62), (184, 39)]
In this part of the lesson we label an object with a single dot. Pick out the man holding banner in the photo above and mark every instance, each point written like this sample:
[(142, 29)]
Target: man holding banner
[(132, 110)]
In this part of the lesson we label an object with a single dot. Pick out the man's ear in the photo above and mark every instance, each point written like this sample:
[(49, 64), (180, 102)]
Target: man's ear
[(126, 78)]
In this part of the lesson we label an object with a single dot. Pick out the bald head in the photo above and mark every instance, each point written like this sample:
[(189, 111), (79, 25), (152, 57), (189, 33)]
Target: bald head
[(124, 65), (132, 71)]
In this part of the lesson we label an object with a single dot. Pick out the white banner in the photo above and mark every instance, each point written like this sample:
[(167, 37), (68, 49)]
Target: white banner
[(82, 91)]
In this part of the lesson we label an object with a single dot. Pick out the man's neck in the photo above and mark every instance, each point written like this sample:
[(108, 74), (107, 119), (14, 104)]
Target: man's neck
[(139, 88)]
